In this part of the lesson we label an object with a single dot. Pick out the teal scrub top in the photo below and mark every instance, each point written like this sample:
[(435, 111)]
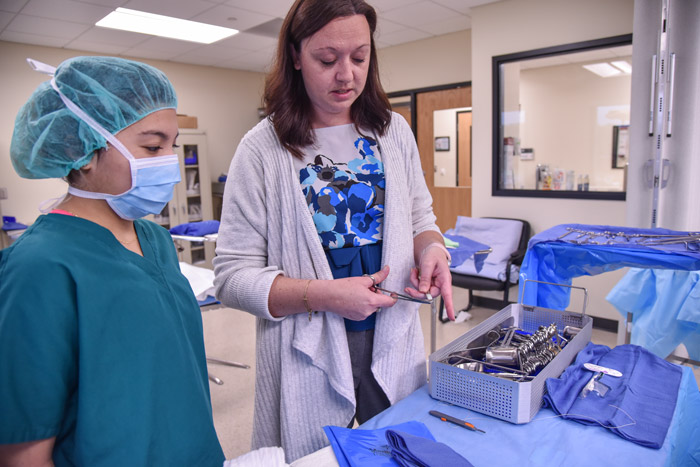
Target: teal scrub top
[(102, 348)]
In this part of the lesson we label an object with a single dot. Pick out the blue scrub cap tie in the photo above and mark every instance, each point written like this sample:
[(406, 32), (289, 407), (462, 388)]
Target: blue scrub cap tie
[(50, 139)]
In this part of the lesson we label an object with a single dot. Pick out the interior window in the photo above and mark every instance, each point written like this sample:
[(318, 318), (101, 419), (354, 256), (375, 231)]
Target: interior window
[(561, 117)]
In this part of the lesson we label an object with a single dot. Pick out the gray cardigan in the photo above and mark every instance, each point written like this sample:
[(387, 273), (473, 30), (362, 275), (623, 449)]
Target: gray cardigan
[(303, 374)]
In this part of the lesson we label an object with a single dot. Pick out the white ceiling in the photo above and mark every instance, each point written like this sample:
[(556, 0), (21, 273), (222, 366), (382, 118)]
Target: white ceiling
[(70, 24)]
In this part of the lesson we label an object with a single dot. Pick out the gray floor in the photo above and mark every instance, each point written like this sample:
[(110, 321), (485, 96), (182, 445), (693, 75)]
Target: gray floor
[(230, 334)]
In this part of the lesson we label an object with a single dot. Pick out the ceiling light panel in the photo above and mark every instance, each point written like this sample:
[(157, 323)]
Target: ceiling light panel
[(605, 70), (624, 66), (164, 26)]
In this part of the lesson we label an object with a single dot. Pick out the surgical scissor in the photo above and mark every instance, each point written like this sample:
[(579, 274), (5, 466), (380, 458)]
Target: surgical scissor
[(402, 296)]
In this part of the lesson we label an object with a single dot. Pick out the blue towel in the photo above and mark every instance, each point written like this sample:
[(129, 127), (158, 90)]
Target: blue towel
[(196, 229), (10, 223), (416, 451), (638, 407), (466, 249), (355, 448)]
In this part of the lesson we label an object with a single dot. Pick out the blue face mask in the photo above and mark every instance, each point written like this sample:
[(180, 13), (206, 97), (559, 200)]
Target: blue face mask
[(152, 182), (152, 178)]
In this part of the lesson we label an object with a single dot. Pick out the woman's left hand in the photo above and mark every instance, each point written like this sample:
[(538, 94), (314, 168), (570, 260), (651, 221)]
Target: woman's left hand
[(433, 276)]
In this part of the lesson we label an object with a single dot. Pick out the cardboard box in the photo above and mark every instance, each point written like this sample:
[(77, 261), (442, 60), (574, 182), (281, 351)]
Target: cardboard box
[(185, 121)]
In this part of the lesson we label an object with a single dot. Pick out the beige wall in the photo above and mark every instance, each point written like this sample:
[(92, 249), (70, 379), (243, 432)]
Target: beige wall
[(513, 26), (429, 62), (224, 101)]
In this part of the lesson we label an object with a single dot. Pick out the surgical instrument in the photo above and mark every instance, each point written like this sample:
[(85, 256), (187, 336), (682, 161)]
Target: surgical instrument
[(401, 296), (448, 418)]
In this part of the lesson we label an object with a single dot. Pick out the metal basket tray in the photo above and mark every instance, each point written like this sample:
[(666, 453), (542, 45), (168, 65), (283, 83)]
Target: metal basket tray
[(515, 402)]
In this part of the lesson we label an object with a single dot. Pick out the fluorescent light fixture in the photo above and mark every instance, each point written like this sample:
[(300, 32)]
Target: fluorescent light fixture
[(624, 66), (603, 69), (164, 26)]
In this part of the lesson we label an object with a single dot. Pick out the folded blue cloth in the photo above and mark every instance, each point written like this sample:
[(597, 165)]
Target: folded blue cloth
[(196, 229), (466, 249), (360, 448), (639, 405), (10, 223), (416, 451)]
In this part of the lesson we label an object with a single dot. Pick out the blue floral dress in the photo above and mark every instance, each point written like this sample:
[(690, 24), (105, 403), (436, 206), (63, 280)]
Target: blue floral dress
[(342, 178)]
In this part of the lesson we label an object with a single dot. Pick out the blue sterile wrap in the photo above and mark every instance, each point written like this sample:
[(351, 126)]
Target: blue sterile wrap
[(416, 451), (466, 249), (369, 447), (666, 309), (196, 229), (638, 407), (551, 259)]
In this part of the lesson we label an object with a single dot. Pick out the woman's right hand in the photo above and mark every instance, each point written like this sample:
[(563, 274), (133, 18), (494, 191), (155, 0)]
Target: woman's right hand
[(352, 297)]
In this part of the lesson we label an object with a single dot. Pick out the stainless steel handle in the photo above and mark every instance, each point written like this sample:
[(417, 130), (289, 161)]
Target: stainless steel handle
[(585, 292), (669, 101), (651, 97)]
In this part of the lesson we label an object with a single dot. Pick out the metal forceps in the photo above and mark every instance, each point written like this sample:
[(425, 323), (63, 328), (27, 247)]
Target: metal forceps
[(401, 296)]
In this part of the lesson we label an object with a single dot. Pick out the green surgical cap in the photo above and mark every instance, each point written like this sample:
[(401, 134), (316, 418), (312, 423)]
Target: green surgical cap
[(49, 140)]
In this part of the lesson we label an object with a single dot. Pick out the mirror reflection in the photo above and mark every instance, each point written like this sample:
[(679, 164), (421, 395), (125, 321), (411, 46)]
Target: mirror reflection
[(563, 116)]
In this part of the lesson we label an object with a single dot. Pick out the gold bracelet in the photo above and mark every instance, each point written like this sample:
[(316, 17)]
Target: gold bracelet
[(306, 299)]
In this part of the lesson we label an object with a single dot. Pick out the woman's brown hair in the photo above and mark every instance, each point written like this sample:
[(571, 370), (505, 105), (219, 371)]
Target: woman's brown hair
[(286, 102)]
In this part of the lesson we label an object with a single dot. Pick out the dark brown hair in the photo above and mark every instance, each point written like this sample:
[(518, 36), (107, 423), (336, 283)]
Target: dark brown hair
[(286, 102)]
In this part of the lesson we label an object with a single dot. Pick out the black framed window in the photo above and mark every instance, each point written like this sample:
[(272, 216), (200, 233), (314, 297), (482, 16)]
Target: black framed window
[(557, 112)]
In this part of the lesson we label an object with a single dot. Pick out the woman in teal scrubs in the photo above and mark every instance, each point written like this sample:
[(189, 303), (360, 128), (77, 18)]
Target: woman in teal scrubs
[(101, 348)]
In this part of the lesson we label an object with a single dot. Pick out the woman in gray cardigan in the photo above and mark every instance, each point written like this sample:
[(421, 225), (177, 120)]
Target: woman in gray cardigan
[(326, 199)]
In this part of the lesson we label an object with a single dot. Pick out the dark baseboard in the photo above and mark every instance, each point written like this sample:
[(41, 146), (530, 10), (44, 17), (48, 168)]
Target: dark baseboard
[(605, 324), (490, 303)]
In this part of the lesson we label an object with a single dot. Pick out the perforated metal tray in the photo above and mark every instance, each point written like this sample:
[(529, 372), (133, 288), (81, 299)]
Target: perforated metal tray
[(516, 402)]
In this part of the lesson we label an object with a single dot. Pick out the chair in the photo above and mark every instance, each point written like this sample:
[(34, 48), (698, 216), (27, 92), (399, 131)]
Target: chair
[(475, 282)]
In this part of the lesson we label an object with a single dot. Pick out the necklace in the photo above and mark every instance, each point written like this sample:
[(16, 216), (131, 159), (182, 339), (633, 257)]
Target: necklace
[(123, 242)]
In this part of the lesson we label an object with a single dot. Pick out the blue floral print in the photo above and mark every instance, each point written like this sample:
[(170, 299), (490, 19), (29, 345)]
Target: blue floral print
[(348, 208)]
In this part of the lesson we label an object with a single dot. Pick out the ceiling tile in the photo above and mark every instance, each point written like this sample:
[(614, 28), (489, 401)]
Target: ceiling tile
[(460, 6), (417, 14), (47, 27), (385, 26), (108, 3), (387, 5), (96, 47), (113, 37), (13, 6), (167, 47), (139, 52), (275, 8), (67, 10), (5, 19), (183, 9), (249, 42), (230, 17), (214, 53), (454, 24), (33, 39)]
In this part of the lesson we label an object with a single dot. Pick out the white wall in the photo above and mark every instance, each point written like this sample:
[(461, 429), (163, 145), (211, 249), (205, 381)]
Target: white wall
[(224, 101), (513, 26), (579, 140)]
